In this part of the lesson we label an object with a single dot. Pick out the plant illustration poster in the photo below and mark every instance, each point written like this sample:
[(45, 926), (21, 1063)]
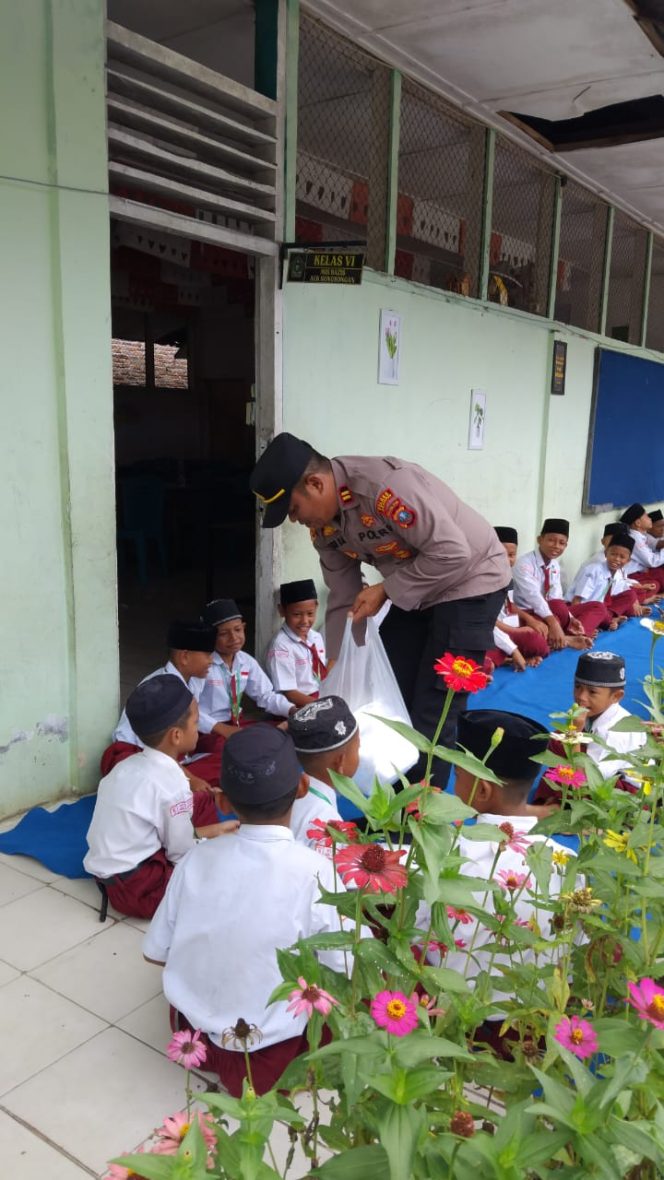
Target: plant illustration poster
[(389, 347)]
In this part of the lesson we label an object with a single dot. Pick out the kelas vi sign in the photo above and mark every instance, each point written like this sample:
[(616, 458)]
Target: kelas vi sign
[(326, 266)]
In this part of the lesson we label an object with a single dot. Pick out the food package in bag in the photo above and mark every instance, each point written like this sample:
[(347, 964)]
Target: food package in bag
[(363, 677)]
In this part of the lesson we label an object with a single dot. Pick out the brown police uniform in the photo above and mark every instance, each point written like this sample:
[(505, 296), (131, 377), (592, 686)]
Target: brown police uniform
[(444, 570), (428, 545)]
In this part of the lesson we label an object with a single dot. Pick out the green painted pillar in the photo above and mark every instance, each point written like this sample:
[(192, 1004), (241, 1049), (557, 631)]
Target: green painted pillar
[(265, 47)]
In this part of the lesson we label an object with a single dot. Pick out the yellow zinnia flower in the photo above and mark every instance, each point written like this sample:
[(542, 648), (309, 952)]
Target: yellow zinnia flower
[(618, 842)]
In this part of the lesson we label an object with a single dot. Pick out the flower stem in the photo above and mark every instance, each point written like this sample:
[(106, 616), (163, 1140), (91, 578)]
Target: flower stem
[(439, 730)]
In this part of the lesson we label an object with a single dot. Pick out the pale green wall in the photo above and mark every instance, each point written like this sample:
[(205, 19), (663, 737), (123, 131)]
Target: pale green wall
[(58, 651), (535, 448)]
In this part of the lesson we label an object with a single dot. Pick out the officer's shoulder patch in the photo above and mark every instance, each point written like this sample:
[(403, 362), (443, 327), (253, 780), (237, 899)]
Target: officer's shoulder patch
[(367, 520), (402, 514), (345, 494), (383, 501)]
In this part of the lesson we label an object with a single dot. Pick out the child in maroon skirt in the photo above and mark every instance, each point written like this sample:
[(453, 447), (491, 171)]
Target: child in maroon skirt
[(220, 960), (146, 816), (538, 589)]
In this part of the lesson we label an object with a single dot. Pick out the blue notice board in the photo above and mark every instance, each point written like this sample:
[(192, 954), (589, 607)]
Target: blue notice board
[(626, 439)]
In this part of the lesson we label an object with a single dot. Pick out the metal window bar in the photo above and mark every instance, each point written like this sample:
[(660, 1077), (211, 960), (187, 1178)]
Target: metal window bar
[(522, 230), (344, 99), (626, 279), (583, 226), (655, 329), (439, 210)]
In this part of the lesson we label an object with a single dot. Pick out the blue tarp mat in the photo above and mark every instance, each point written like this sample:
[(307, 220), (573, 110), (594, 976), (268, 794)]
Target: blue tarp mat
[(56, 838)]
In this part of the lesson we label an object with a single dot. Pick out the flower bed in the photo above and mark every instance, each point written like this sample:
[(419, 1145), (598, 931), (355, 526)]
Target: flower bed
[(408, 1086)]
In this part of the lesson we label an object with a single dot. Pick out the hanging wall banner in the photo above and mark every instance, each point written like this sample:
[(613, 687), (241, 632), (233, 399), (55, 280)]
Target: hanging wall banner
[(477, 420), (389, 347)]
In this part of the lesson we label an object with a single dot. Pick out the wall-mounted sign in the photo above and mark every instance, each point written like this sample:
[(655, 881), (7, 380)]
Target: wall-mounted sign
[(559, 367), (477, 420), (389, 347), (326, 266)]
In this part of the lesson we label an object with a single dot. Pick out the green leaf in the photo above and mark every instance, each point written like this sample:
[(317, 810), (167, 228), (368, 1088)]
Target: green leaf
[(418, 1046), (358, 1163), (636, 1138), (467, 761), (481, 831), (330, 940), (346, 787), (418, 739), (371, 1043), (629, 724), (617, 1037), (443, 808), (399, 1128), (444, 979), (153, 1167), (403, 1087)]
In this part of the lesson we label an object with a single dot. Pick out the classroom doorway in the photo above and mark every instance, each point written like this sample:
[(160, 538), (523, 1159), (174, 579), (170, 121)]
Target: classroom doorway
[(183, 326)]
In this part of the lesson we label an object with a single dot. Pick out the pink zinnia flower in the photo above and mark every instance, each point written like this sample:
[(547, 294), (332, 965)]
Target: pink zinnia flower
[(187, 1049), (318, 831), (395, 1012), (307, 997), (510, 880), (171, 1134), (443, 948), (566, 776), (371, 867), (576, 1035), (460, 674), (117, 1172), (648, 1000), (514, 840), (456, 915)]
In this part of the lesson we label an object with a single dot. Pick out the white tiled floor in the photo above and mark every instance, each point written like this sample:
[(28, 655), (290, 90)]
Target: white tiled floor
[(84, 1075)]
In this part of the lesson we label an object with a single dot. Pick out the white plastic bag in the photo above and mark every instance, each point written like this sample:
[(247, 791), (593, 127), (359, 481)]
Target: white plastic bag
[(363, 677)]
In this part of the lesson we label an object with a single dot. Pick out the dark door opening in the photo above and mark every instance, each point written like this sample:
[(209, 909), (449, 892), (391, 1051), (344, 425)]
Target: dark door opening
[(183, 374)]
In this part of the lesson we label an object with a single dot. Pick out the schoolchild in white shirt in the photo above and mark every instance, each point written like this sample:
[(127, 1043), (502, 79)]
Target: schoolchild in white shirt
[(518, 636), (326, 737), (220, 959), (190, 647), (145, 815), (538, 589), (599, 687), (234, 674), (504, 863), (295, 659), (647, 562), (656, 529), (605, 581)]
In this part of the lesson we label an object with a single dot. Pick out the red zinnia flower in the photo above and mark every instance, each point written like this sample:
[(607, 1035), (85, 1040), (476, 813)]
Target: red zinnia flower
[(372, 867), (460, 674), (318, 831)]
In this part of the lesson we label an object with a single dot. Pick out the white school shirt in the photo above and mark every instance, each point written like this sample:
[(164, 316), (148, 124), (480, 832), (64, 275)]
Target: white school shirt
[(472, 959), (229, 905), (124, 732), (320, 802), (290, 663), (595, 581), (248, 676), (144, 804), (644, 557), (528, 575), (622, 743), (508, 619)]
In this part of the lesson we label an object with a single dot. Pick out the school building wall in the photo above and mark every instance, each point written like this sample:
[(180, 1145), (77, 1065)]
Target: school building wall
[(534, 455), (58, 653)]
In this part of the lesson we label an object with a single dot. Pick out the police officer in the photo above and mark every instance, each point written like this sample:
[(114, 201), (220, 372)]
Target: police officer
[(444, 570)]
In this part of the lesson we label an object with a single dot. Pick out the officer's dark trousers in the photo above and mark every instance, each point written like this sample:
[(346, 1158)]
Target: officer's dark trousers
[(414, 640)]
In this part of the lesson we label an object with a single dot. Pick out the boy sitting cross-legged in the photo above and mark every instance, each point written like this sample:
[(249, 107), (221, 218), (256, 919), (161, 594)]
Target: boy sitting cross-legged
[(605, 581), (234, 673), (295, 658), (145, 816), (538, 589), (326, 737), (231, 904)]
